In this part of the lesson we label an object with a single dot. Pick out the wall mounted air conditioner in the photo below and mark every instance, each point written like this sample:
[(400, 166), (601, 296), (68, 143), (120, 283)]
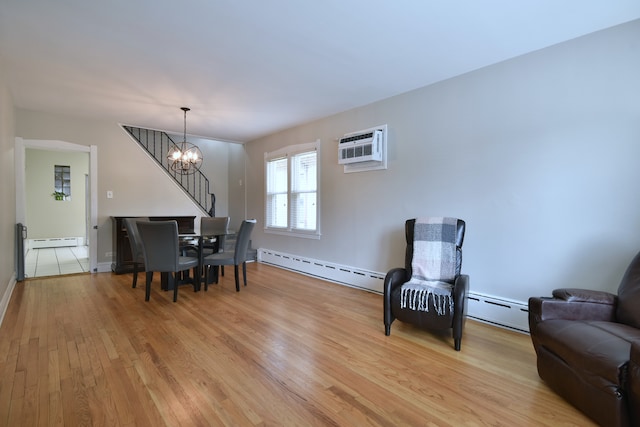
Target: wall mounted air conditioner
[(363, 150)]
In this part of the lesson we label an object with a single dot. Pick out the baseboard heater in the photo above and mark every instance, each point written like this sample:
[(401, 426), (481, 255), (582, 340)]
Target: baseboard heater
[(498, 311), (337, 273), (55, 242)]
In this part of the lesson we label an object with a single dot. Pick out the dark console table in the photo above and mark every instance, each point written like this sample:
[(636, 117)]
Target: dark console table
[(122, 259)]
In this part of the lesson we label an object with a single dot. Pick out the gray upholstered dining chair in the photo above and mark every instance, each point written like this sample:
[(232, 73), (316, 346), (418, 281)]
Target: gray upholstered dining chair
[(218, 227), (137, 252), (239, 255), (162, 254)]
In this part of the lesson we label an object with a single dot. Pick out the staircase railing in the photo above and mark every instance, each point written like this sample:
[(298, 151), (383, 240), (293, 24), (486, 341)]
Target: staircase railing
[(157, 144)]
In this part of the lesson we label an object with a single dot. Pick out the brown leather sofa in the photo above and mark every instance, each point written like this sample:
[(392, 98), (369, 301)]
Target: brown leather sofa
[(588, 348), (634, 382)]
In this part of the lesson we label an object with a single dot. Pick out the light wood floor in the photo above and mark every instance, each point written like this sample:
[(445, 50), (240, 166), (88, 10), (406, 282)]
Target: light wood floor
[(287, 350)]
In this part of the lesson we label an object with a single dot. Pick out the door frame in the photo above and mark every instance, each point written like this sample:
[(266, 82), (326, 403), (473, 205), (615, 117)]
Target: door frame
[(55, 145)]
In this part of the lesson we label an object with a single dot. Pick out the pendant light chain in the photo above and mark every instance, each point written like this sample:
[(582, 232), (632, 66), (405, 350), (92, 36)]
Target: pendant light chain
[(184, 139)]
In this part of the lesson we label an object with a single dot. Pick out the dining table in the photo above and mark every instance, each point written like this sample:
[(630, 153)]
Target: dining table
[(195, 242)]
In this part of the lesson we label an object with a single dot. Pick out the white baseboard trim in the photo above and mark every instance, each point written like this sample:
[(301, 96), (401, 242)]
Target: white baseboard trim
[(104, 267), (4, 302), (498, 311)]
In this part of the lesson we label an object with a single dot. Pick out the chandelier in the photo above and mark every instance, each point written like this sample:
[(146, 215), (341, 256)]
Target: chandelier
[(184, 158)]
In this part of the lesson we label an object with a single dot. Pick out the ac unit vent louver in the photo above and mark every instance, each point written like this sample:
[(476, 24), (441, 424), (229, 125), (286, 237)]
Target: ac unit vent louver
[(361, 147), (363, 150)]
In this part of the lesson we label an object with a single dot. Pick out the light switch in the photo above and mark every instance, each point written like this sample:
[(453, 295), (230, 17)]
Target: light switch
[(109, 194)]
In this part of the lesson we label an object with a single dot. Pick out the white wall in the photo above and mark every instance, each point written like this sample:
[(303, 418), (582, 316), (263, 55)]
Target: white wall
[(7, 195), (47, 217), (538, 154), (237, 183)]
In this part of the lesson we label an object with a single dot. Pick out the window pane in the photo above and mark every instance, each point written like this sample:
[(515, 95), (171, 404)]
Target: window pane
[(277, 176), (303, 193), (62, 180), (276, 204), (304, 212), (291, 191), (277, 210), (304, 172)]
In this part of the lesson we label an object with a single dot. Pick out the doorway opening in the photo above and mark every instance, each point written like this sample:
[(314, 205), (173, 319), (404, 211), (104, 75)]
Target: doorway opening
[(63, 260)]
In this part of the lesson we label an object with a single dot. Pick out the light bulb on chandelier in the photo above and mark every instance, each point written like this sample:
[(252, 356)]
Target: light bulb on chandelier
[(184, 158)]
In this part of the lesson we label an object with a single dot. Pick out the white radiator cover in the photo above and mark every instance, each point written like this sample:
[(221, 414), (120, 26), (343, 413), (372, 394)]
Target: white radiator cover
[(498, 311)]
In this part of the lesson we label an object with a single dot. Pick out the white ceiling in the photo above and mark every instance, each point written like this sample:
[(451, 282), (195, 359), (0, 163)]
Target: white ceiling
[(248, 68)]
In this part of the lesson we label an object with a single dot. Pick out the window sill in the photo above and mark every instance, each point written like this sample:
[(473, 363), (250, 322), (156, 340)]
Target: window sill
[(310, 235)]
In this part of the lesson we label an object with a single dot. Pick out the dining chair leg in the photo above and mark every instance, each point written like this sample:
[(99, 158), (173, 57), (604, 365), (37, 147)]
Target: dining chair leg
[(135, 274), (176, 284), (147, 290), (196, 279), (244, 272), (237, 277)]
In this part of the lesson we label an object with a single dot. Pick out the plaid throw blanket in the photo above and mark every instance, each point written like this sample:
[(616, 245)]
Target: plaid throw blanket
[(433, 265)]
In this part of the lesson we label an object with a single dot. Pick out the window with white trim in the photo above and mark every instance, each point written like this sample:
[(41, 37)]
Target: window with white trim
[(291, 191), (62, 182)]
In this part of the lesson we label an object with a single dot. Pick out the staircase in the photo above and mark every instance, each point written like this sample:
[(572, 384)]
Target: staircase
[(157, 144)]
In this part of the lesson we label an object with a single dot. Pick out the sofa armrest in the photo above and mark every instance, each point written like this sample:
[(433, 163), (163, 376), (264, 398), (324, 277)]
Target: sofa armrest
[(395, 277), (460, 292), (584, 295), (573, 304)]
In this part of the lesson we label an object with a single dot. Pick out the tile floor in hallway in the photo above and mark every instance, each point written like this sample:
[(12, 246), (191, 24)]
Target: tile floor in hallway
[(56, 261)]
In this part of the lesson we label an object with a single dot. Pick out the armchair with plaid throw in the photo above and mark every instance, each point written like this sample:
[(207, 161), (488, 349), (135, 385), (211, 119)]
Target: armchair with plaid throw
[(429, 291)]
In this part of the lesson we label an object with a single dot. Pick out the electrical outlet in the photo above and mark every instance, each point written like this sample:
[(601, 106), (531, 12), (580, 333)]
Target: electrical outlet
[(108, 254)]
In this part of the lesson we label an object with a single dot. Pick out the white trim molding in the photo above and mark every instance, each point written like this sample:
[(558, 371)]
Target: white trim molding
[(4, 301)]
